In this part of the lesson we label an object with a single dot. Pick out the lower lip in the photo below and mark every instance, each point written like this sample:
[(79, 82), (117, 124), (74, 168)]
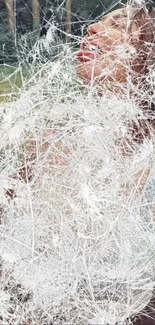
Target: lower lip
[(84, 56)]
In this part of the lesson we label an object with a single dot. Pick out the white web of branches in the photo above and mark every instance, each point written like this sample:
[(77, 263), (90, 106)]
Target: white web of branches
[(77, 239)]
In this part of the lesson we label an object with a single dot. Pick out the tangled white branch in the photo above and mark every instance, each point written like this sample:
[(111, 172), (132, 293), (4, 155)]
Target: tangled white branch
[(76, 195)]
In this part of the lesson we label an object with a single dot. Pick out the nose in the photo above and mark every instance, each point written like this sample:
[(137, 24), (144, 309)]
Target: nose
[(95, 28)]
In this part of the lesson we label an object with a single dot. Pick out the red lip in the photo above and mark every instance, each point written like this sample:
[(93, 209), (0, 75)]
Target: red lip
[(84, 56)]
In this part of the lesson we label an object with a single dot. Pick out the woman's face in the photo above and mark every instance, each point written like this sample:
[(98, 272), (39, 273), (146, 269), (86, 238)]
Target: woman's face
[(98, 56)]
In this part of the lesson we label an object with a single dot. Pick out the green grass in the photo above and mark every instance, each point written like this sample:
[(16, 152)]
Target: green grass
[(11, 79)]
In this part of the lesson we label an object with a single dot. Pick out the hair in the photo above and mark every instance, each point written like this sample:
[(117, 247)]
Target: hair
[(142, 32)]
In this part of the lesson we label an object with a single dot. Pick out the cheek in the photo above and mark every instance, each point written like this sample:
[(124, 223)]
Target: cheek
[(118, 73), (89, 70), (109, 40), (103, 71)]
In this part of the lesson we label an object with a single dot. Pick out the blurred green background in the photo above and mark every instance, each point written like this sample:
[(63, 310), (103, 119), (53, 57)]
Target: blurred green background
[(25, 22), (22, 22)]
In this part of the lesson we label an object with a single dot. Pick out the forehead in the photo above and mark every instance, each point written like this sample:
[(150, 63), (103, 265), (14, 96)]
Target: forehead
[(118, 13)]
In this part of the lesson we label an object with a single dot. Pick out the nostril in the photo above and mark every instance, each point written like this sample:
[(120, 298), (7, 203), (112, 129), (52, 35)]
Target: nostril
[(83, 44), (91, 30)]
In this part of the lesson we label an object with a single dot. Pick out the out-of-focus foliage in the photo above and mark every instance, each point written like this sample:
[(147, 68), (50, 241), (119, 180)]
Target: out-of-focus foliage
[(6, 40), (50, 12)]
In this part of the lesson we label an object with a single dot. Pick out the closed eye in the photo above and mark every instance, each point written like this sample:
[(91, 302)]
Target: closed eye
[(119, 24), (115, 23)]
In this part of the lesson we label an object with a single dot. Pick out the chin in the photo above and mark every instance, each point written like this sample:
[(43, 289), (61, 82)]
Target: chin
[(115, 81), (85, 73), (89, 71)]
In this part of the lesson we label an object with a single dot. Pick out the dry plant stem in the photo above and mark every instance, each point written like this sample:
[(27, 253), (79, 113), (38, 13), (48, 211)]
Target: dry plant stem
[(40, 147), (35, 13), (83, 248), (68, 20), (138, 187), (140, 178), (36, 149), (154, 211), (11, 20), (139, 182)]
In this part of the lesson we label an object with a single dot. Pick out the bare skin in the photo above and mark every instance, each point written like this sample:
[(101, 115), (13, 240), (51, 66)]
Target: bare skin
[(97, 52)]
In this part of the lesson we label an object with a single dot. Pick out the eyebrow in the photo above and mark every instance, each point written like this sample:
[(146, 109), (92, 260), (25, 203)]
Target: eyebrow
[(116, 16)]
